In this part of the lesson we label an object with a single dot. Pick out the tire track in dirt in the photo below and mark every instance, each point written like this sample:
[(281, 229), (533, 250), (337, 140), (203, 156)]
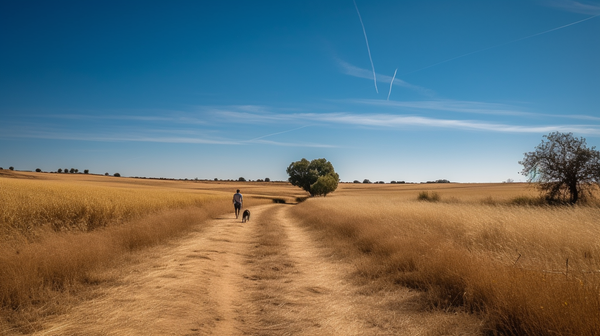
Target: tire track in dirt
[(301, 291), (311, 291)]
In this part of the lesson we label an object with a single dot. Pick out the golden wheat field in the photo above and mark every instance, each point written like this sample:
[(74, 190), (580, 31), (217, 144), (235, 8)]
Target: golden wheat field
[(475, 248)]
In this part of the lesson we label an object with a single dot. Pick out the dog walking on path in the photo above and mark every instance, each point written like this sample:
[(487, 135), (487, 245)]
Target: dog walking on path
[(246, 216)]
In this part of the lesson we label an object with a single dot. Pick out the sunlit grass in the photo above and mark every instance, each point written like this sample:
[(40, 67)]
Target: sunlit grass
[(30, 205), (56, 234), (526, 269)]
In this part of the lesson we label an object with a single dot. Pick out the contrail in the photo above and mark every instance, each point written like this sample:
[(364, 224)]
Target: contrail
[(268, 135), (392, 83), (503, 44), (368, 49)]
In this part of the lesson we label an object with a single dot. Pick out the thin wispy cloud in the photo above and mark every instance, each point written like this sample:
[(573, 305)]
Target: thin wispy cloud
[(469, 107), (53, 135), (503, 44), (384, 120), (575, 6), (405, 115), (105, 116), (391, 121), (171, 135), (277, 133), (355, 71), (248, 117), (449, 105), (368, 49), (289, 144)]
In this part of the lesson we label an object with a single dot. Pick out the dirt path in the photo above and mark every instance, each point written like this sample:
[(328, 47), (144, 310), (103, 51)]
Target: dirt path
[(265, 277)]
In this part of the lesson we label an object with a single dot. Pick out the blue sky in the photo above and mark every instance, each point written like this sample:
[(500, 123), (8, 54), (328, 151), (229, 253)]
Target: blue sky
[(225, 89)]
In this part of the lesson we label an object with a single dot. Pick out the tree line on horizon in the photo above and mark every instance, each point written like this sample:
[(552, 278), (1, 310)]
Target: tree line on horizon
[(562, 167)]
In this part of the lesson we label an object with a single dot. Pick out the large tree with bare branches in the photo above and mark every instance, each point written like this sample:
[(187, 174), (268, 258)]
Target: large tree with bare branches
[(564, 168)]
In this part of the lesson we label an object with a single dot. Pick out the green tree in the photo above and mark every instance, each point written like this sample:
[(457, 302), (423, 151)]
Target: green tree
[(87, 171), (563, 167), (324, 185), (306, 174)]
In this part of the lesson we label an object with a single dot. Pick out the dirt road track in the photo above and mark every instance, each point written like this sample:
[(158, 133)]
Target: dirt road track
[(265, 277)]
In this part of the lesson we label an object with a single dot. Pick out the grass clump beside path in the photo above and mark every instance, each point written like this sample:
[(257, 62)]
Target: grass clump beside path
[(526, 270)]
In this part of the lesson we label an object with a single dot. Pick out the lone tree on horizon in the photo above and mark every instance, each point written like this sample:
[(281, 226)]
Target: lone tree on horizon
[(316, 177), (564, 168)]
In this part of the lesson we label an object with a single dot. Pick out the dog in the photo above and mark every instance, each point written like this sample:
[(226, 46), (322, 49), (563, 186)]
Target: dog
[(246, 216)]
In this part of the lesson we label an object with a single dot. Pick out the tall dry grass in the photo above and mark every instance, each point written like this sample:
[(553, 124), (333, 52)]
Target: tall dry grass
[(56, 235), (507, 263), (32, 207)]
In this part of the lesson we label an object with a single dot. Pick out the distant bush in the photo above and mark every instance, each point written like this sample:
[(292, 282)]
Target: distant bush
[(356, 181), (430, 197), (117, 175), (38, 170), (241, 179), (260, 180), (11, 168), (380, 182), (267, 179), (87, 171), (105, 174), (366, 181), (439, 181), (66, 170), (59, 170), (392, 182)]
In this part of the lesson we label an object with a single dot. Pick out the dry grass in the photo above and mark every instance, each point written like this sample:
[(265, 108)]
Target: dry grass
[(57, 233), (507, 263), (489, 249), (83, 203)]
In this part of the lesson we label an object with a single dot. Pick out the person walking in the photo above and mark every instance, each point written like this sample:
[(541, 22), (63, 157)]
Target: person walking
[(238, 201)]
